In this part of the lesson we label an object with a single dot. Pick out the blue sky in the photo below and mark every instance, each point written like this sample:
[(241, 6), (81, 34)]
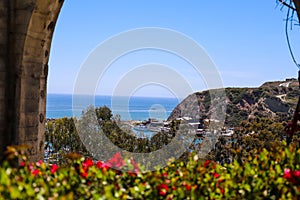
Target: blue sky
[(246, 41)]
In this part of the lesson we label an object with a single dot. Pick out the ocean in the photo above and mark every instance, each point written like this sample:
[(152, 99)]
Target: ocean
[(133, 108)]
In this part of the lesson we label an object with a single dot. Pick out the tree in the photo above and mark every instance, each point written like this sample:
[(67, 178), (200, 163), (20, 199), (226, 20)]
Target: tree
[(297, 6), (62, 138), (290, 6), (103, 113)]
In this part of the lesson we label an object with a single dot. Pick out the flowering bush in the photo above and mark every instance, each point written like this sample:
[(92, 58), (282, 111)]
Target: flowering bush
[(268, 175)]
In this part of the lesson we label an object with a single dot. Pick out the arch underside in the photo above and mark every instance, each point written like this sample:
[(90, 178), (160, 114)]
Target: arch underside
[(26, 29)]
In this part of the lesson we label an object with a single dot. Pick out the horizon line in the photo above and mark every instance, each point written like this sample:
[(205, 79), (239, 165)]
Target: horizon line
[(109, 95)]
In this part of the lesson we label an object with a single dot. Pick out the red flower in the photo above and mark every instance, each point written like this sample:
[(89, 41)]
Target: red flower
[(116, 161), (207, 162), (287, 174), (220, 180), (216, 175), (84, 174), (19, 178), (297, 174), (22, 164), (88, 163), (131, 174), (99, 164), (35, 172), (102, 165), (165, 174), (54, 168), (162, 189), (218, 186), (222, 191), (292, 176), (188, 187)]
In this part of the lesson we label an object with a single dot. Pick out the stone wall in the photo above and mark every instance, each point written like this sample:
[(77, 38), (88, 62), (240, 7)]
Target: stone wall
[(3, 61), (26, 29)]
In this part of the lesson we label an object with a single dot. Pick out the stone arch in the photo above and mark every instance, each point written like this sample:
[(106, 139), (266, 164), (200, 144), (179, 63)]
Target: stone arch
[(26, 28)]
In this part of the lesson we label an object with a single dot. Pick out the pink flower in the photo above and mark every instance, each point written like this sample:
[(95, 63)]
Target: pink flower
[(101, 165), (135, 165), (30, 167), (162, 189), (39, 163), (54, 168), (116, 161), (106, 166)]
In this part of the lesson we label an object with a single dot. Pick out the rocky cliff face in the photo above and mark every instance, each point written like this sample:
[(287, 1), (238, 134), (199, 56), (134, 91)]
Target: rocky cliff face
[(275, 100)]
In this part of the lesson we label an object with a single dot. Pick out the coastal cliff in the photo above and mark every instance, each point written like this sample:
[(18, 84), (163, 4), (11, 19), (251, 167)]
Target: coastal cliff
[(276, 100)]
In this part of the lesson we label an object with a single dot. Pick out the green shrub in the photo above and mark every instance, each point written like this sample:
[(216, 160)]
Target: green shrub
[(268, 175)]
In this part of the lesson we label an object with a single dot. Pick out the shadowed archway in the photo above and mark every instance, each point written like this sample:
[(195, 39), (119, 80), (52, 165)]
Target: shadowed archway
[(26, 29)]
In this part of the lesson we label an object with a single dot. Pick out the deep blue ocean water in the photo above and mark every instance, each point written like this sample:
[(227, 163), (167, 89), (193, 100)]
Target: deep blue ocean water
[(139, 108)]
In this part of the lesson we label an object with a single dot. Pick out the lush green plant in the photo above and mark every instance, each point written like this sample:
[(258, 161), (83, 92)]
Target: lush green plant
[(103, 113), (251, 136), (62, 136), (268, 175)]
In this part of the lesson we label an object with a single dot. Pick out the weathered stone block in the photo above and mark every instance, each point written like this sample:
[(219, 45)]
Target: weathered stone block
[(37, 24), (22, 17), (25, 4), (33, 70), (28, 119), (31, 133), (30, 89), (30, 105)]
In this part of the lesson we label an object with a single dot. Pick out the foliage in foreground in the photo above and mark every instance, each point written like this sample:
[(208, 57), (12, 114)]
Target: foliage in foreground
[(268, 175)]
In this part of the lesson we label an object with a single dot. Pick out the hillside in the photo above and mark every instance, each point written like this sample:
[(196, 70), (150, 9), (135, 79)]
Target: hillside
[(275, 100)]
